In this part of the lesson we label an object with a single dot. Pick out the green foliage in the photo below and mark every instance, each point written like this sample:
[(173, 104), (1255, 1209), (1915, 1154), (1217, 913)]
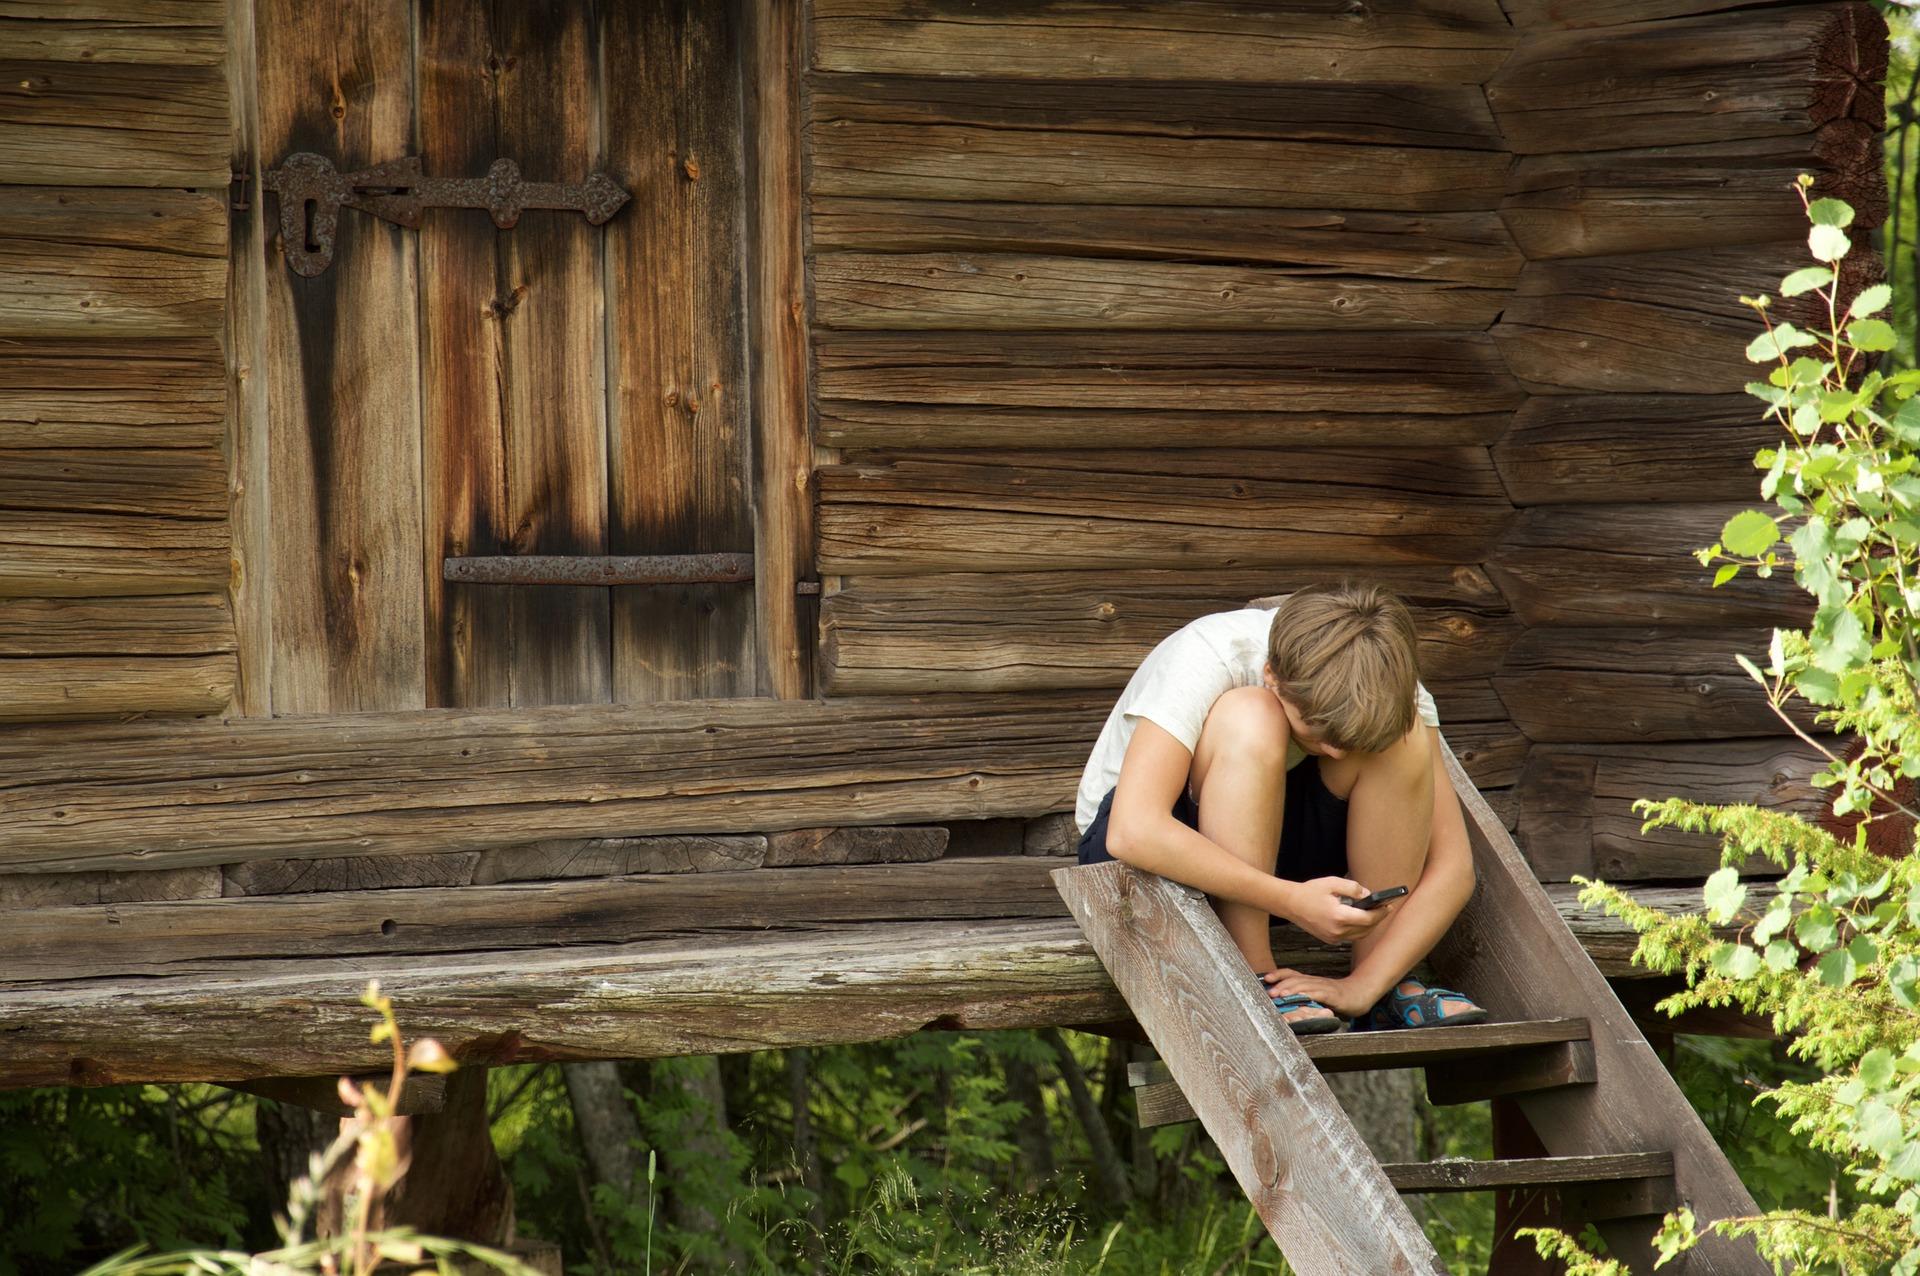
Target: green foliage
[(1832, 955)]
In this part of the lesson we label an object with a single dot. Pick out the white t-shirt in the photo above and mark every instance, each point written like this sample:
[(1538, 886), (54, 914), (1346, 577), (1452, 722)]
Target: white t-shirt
[(1175, 687)]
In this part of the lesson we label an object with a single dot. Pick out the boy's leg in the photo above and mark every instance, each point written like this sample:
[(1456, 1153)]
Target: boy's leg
[(1239, 778)]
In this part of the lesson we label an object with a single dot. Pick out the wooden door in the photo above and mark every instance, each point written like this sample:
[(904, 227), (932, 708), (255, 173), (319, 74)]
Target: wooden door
[(460, 390)]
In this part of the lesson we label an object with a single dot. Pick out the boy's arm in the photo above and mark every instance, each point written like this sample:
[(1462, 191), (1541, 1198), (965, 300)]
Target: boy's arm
[(1142, 832)]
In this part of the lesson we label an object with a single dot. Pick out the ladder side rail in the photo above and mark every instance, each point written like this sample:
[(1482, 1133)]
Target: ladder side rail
[(1314, 1183), (1513, 953)]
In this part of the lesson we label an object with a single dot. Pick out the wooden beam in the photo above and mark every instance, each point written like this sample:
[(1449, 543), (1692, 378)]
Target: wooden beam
[(1455, 42), (1521, 1072), (1512, 949), (181, 33), (66, 688), (217, 792), (60, 554), (146, 393), (82, 123), (1633, 449), (1289, 1144), (1487, 1176)]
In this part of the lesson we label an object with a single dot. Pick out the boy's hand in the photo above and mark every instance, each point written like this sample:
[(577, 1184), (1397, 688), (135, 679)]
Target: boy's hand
[(1318, 910)]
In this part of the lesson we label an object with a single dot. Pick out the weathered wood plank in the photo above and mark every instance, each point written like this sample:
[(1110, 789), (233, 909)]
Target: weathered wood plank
[(1521, 961), (833, 984), (514, 337), (54, 890), (1559, 15), (309, 787), (1632, 448), (910, 513), (50, 288), (1469, 248), (856, 845), (966, 162), (778, 339), (164, 625), (342, 375), (1403, 113), (1576, 803), (820, 986), (1632, 564), (1411, 1048), (1486, 1176), (1665, 322), (248, 437), (351, 873), (1448, 42), (619, 856), (109, 394), (1016, 291), (1001, 631), (1606, 685), (186, 224), (1435, 373), (679, 457), (1522, 1072), (1777, 72), (101, 124), (1587, 204), (87, 555), (163, 32), (186, 483), (185, 936), (1491, 752), (847, 423), (1291, 1148), (46, 688)]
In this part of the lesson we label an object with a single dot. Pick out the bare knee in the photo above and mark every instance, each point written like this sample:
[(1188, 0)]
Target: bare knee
[(1248, 725)]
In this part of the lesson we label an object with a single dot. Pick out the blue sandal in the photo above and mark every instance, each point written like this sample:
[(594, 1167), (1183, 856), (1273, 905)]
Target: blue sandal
[(1329, 1022), (1424, 1008)]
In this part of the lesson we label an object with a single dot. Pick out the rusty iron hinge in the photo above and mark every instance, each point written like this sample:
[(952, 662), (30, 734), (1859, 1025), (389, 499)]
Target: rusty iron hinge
[(312, 192)]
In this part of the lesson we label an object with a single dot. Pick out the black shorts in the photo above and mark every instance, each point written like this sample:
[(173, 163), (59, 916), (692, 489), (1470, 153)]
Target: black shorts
[(1313, 829)]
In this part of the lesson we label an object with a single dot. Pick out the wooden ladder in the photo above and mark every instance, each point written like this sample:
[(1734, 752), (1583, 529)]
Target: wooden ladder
[(1623, 1144)]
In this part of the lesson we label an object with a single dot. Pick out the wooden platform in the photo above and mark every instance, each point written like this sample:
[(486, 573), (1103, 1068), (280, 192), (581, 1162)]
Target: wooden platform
[(242, 988)]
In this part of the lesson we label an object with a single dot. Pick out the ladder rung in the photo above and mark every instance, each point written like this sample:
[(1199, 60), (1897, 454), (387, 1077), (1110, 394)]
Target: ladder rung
[(1411, 1047), (1481, 1176)]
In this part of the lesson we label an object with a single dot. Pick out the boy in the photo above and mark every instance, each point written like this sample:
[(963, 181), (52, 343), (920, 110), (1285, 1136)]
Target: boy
[(1280, 760)]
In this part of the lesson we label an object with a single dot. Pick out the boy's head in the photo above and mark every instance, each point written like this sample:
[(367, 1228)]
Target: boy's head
[(1344, 657)]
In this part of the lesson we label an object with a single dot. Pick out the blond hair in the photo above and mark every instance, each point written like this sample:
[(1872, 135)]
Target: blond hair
[(1345, 656)]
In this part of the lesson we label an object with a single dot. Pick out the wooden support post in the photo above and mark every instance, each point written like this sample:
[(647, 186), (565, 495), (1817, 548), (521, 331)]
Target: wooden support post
[(454, 1185), (1320, 1192), (1518, 1207)]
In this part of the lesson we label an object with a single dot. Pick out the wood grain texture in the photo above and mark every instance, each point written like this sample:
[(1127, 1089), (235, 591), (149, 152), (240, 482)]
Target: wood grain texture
[(1468, 248), (349, 873), (681, 406), (162, 32), (53, 287), (343, 376), (617, 856), (1002, 631), (319, 786), (1484, 1176), (1290, 1146), (1558, 15), (248, 434), (1429, 373), (1707, 195), (1698, 79), (514, 458), (779, 342), (1664, 322), (827, 985), (49, 688), (188, 483), (1004, 290), (1522, 961), (1606, 685), (911, 513), (970, 162), (163, 625), (195, 935), (1632, 564), (104, 124), (1634, 448), (1522, 1072), (112, 393), (1576, 803), (56, 890), (1412, 1047), (70, 555), (831, 984), (1404, 113), (1446, 41), (846, 423)]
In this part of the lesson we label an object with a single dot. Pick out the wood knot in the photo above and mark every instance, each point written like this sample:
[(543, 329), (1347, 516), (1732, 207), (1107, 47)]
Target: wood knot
[(691, 167), (501, 307)]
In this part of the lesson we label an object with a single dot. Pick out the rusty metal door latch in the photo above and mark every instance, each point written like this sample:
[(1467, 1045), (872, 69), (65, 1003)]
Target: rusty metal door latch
[(312, 192)]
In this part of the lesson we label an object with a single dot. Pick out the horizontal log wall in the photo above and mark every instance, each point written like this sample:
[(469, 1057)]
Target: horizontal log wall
[(1098, 301), (114, 548), (1656, 144)]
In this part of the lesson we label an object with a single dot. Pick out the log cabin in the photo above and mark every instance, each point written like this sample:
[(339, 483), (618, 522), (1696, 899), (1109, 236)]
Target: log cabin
[(657, 596)]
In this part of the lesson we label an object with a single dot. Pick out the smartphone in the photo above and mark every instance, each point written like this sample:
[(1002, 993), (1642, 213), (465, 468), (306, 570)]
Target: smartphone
[(1376, 899)]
